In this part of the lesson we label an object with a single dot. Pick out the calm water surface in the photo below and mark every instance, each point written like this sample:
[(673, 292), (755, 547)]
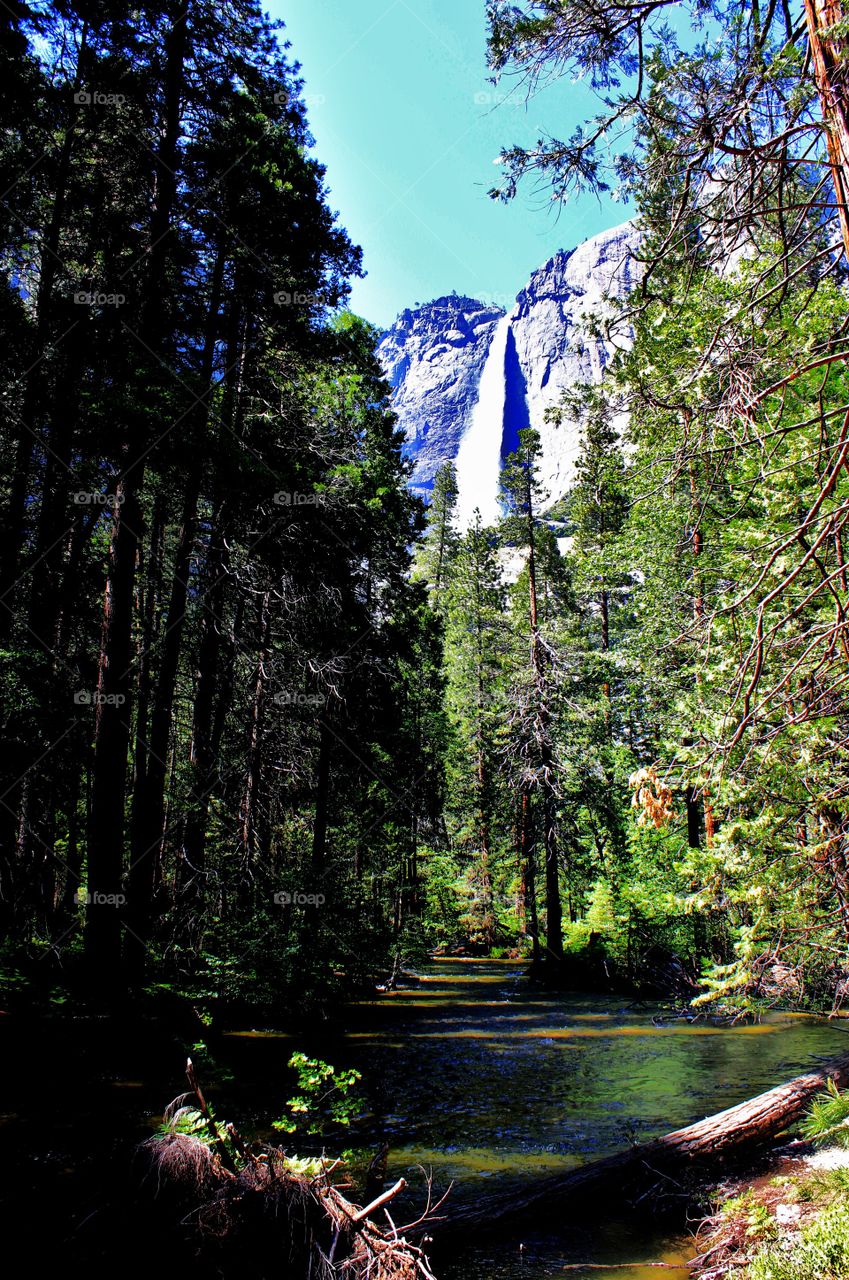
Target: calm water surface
[(471, 1071), (490, 1083)]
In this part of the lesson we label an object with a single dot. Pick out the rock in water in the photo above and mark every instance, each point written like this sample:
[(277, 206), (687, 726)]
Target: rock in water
[(435, 356)]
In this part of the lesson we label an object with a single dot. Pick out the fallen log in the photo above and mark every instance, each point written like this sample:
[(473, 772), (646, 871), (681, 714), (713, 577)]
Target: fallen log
[(675, 1161)]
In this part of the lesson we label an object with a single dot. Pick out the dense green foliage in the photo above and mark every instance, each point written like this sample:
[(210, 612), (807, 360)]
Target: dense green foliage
[(683, 731), (267, 730), (326, 1097), (826, 1121), (821, 1254), (212, 700)]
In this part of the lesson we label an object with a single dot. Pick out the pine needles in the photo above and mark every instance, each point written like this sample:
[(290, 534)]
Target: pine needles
[(828, 1118)]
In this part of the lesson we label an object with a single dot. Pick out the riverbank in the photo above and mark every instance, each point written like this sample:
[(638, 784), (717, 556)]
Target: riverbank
[(472, 1072), (788, 1221)]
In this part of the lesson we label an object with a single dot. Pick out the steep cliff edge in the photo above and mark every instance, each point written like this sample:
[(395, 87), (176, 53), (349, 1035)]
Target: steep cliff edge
[(435, 355)]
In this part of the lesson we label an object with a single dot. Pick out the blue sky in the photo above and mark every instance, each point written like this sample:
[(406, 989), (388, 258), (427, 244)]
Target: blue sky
[(408, 127)]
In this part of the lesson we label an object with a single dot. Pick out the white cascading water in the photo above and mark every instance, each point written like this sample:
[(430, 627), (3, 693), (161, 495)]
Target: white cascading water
[(478, 461)]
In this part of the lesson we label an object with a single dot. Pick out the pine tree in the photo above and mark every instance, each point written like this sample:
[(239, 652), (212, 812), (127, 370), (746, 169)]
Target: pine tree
[(476, 640), (439, 545), (523, 498)]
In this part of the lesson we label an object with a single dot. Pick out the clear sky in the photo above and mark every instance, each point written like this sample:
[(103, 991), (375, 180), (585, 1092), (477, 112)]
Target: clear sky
[(408, 126)]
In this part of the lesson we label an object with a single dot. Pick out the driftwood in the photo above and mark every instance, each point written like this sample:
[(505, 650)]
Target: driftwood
[(671, 1163), (264, 1215), (234, 1202)]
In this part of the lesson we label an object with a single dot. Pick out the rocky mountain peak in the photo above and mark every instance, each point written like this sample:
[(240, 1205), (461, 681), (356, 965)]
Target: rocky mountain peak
[(441, 358)]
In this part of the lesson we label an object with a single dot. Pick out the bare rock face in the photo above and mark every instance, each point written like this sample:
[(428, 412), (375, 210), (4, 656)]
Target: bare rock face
[(556, 347), (435, 357)]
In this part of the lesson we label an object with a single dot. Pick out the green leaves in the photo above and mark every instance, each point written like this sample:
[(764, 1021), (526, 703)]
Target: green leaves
[(327, 1097)]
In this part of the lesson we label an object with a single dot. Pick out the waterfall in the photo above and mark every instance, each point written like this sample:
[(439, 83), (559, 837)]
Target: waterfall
[(478, 461)]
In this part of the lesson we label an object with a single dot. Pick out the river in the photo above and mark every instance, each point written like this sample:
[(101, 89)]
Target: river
[(489, 1082), (472, 1072)]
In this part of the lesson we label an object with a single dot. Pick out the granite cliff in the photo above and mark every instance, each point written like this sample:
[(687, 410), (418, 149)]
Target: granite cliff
[(468, 375)]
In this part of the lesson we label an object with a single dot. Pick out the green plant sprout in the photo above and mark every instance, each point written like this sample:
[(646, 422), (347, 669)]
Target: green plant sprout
[(325, 1096)]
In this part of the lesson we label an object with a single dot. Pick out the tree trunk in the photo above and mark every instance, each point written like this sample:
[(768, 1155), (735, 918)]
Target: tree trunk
[(484, 840), (149, 809), (202, 756), (527, 866), (553, 908), (322, 802), (483, 781), (49, 262), (112, 731), (250, 799), (604, 608), (694, 826), (148, 608), (621, 1180), (693, 823), (51, 542), (828, 53), (112, 740), (208, 722), (15, 517), (74, 851)]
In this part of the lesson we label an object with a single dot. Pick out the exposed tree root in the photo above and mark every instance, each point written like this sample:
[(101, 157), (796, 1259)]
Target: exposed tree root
[(253, 1204), (321, 1234)]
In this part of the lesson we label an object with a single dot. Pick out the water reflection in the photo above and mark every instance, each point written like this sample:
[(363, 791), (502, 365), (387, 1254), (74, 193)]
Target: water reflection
[(491, 1082), (488, 1081)]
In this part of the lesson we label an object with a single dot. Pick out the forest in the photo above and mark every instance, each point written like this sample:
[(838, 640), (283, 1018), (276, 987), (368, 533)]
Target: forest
[(276, 732)]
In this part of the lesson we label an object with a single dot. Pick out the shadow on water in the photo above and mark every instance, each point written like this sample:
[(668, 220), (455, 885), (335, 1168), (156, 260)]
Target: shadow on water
[(490, 1083), (473, 1074)]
